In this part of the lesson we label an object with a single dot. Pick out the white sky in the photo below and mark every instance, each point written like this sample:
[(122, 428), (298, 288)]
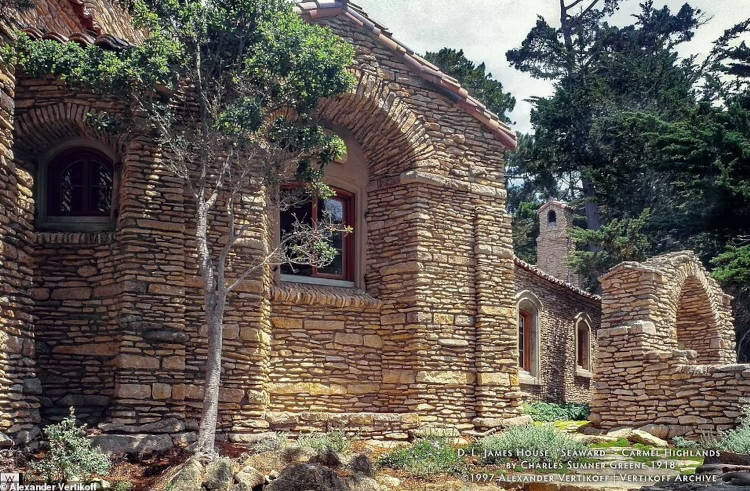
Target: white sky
[(486, 29)]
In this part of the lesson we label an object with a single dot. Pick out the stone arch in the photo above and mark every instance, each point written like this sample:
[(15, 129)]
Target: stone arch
[(527, 302), (49, 126), (391, 135), (694, 304), (675, 294)]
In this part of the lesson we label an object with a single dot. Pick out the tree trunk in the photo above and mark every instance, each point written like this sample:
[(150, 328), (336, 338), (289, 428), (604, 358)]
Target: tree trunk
[(215, 325), (593, 218)]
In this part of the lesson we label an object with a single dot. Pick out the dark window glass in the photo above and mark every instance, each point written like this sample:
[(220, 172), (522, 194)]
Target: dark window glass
[(79, 184), (525, 322), (552, 217)]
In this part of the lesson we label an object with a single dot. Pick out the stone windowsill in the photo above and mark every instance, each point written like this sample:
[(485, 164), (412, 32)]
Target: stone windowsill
[(74, 238), (526, 378), (582, 372), (292, 293)]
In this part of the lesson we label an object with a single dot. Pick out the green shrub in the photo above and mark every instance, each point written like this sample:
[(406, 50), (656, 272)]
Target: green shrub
[(425, 457), (70, 454), (681, 442), (335, 440), (738, 439), (123, 486), (273, 443), (549, 412), (543, 444)]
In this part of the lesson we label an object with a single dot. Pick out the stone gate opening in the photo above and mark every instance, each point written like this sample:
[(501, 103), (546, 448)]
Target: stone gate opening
[(695, 324)]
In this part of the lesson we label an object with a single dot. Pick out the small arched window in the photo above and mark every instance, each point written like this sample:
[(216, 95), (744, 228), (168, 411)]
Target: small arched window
[(551, 217), (76, 192), (583, 344), (528, 333)]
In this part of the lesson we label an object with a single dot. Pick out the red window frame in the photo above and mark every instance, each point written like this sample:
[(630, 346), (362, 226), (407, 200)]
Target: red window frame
[(524, 342), (583, 349), (348, 244)]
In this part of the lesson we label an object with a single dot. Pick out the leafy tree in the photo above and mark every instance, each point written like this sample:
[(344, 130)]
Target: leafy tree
[(617, 241), (732, 270), (475, 79), (227, 88), (599, 71)]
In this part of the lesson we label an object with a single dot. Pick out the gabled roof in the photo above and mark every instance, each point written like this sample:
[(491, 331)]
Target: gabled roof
[(321, 9)]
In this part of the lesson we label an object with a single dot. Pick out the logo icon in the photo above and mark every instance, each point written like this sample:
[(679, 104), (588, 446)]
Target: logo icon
[(9, 480)]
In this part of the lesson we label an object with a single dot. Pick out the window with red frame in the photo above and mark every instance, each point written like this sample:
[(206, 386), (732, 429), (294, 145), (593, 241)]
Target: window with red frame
[(340, 209), (584, 346), (524, 340)]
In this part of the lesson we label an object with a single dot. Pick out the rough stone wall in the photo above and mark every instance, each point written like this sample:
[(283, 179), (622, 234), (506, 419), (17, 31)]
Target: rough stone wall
[(19, 387), (559, 379), (331, 362), (76, 322), (110, 303), (429, 337), (643, 377)]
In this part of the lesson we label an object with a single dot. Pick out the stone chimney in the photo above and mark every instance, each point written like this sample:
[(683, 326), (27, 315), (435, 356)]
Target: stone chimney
[(554, 242)]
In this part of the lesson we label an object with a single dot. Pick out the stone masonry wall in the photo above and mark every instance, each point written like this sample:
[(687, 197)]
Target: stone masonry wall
[(76, 324), (666, 392), (643, 376), (19, 387), (559, 380), (427, 339), (554, 242)]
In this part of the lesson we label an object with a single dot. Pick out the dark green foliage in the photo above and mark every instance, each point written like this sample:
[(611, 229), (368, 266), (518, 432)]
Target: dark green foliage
[(622, 239), (475, 79), (70, 454), (425, 457), (550, 412), (732, 267), (633, 127)]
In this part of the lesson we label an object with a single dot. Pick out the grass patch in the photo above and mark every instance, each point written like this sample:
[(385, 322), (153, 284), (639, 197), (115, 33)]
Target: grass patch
[(540, 444), (425, 457), (550, 412), (335, 440), (620, 442)]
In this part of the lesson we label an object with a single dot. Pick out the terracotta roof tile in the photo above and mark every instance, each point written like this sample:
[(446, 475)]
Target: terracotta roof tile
[(320, 9), (546, 276)]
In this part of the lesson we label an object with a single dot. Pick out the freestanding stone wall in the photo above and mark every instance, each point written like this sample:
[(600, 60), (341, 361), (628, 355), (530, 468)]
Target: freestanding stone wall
[(666, 357)]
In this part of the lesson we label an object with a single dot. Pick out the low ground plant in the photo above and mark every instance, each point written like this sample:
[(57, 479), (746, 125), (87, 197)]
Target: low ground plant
[(537, 444), (738, 439), (70, 455), (682, 442), (425, 457), (335, 440), (272, 443), (549, 412)]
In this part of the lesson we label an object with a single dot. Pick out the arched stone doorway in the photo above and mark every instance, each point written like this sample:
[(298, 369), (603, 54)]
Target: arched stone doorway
[(695, 323)]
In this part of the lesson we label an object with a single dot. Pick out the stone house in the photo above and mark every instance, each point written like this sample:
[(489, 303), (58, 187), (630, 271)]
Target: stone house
[(428, 318)]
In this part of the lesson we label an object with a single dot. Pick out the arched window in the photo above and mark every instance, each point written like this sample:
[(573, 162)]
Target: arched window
[(77, 187), (528, 334), (583, 343), (551, 217)]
